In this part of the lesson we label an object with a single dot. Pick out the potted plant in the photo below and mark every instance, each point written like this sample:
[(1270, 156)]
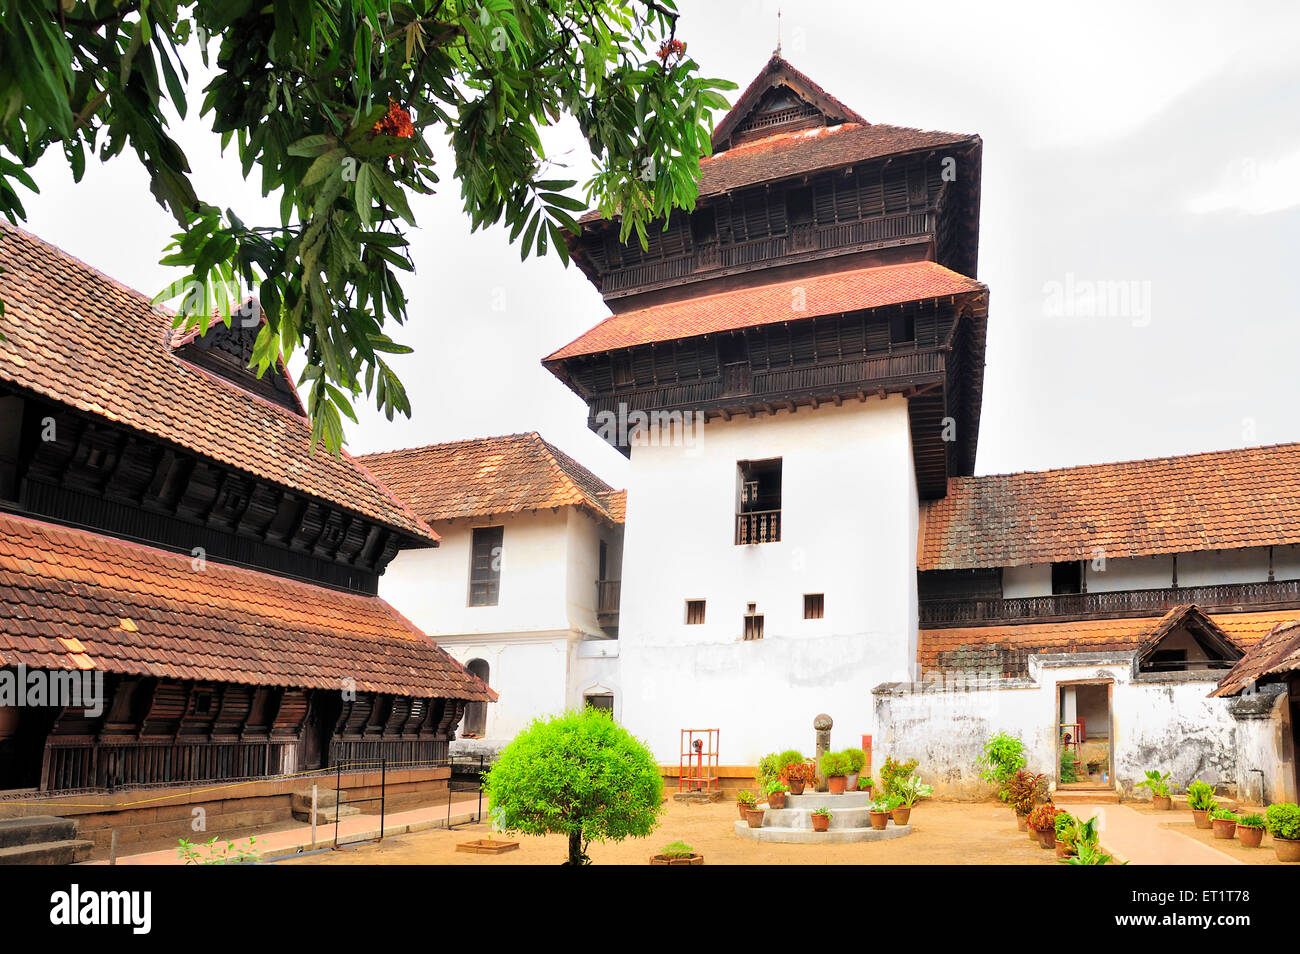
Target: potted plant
[(864, 783), (1158, 785), (1089, 853), (1250, 830), (1042, 822), (1201, 800), (835, 766), (755, 817), (677, 853), (797, 775), (857, 760), (1025, 790), (772, 766), (1065, 828), (745, 800), (821, 819), (1224, 823), (776, 790), (879, 811), (1284, 826), (909, 791), (1003, 756)]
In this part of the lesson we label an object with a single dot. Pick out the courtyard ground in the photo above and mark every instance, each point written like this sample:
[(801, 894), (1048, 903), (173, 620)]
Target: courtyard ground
[(943, 833)]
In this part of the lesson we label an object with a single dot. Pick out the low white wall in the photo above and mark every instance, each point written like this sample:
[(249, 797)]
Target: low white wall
[(1170, 726)]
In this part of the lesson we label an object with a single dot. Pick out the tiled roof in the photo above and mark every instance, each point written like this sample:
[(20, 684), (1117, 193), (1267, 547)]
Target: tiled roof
[(1278, 652), (1249, 497), (487, 476), (78, 337), (806, 151), (70, 599), (779, 71), (974, 647), (829, 294)]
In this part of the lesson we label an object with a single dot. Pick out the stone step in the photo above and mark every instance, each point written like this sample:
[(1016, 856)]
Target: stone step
[(326, 816), (35, 829), (806, 836), (66, 852), (1074, 796), (810, 800), (802, 818), (325, 798)]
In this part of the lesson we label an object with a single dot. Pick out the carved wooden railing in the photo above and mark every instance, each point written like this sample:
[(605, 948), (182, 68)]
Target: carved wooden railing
[(108, 765), (758, 526), (607, 595), (1222, 597), (798, 240)]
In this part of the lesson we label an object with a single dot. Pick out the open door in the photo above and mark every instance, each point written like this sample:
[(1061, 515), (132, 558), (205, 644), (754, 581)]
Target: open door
[(1084, 741)]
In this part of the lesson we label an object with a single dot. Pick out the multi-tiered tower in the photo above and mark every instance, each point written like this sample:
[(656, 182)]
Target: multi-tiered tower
[(818, 310)]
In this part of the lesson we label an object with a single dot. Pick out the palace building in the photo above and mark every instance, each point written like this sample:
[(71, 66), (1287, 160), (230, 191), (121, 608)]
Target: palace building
[(166, 527)]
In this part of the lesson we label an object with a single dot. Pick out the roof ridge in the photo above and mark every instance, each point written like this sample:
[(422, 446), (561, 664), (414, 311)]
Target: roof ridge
[(441, 444)]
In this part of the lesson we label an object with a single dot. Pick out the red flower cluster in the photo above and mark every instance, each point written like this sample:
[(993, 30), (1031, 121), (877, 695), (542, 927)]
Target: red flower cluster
[(671, 49), (396, 122)]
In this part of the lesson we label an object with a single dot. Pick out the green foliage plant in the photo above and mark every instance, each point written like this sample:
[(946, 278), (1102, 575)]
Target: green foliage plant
[(1155, 783), (857, 760), (892, 772), (1284, 820), (771, 766), (677, 849), (217, 852), (1200, 797), (581, 775), (1003, 756), (1252, 820)]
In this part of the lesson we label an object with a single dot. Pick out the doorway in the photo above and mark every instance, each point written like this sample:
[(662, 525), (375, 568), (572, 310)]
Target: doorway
[(1084, 739), (475, 723)]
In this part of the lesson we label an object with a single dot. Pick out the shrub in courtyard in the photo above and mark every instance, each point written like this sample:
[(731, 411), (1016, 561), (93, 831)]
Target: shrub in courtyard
[(857, 760), (1044, 817), (1025, 790), (746, 797), (214, 852), (1250, 830), (1200, 797), (797, 775), (892, 772), (1069, 771), (864, 783), (581, 775), (1003, 756), (1284, 820), (677, 849), (770, 766)]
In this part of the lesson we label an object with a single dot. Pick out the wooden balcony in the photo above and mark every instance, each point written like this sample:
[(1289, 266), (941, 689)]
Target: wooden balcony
[(758, 526), (1220, 598), (800, 241)]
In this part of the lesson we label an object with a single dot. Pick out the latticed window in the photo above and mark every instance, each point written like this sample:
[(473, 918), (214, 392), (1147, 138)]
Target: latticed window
[(758, 511), (485, 566)]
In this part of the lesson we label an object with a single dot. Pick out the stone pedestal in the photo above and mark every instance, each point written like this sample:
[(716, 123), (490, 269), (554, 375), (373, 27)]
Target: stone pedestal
[(822, 725)]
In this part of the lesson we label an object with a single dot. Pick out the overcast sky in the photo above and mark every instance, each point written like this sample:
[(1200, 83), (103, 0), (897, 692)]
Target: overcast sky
[(1156, 145)]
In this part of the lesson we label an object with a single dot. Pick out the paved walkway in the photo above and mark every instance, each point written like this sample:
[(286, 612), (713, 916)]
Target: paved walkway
[(291, 841), (1139, 838)]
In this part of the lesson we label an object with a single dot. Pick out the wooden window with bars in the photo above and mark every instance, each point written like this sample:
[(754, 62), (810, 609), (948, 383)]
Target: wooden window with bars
[(753, 623), (694, 612), (758, 507), (485, 566), (814, 605)]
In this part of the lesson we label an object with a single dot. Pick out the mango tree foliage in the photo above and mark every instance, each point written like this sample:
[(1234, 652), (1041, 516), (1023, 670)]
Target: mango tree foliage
[(331, 105)]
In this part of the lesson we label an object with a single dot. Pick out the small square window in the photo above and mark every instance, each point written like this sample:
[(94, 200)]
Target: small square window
[(753, 624), (814, 605), (694, 612)]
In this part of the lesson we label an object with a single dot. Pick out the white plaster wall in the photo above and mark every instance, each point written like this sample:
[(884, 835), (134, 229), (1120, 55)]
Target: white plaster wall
[(1286, 563), (582, 553), (849, 517), (1170, 726), (1202, 568), (1033, 580), (1130, 573), (431, 586), (530, 673), (1223, 566), (594, 668)]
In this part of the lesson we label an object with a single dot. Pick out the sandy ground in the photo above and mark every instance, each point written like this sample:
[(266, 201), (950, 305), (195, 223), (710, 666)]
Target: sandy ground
[(1179, 819), (952, 833)]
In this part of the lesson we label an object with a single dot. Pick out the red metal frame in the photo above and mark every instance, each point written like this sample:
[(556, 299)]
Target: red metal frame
[(698, 768)]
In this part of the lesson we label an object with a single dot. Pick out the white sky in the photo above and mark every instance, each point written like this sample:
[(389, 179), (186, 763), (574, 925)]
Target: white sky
[(1158, 146)]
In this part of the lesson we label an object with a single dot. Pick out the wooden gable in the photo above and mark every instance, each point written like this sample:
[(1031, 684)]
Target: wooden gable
[(780, 99)]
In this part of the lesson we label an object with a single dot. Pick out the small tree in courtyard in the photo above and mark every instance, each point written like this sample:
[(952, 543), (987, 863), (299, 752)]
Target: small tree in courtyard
[(581, 775)]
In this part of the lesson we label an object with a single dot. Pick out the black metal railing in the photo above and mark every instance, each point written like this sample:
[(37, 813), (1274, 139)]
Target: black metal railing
[(1221, 597)]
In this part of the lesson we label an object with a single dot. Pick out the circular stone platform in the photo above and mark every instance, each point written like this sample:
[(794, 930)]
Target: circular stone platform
[(792, 825)]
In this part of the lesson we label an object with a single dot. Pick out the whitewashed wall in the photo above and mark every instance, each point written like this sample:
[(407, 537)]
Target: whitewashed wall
[(1170, 726), (849, 521)]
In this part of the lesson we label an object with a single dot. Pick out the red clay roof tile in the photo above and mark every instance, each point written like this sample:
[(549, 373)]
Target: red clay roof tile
[(219, 623)]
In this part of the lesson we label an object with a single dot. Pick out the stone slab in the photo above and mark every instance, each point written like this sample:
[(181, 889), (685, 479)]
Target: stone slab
[(836, 836)]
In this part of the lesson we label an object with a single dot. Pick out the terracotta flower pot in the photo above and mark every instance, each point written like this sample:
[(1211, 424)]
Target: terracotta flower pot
[(821, 822), (776, 800), (836, 784), (796, 787), (879, 820), (1202, 819), (694, 859), (1046, 837), (1224, 827), (1162, 803), (1064, 851), (1022, 821), (901, 814), (1288, 849), (755, 817), (743, 809), (1249, 837), (851, 782)]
